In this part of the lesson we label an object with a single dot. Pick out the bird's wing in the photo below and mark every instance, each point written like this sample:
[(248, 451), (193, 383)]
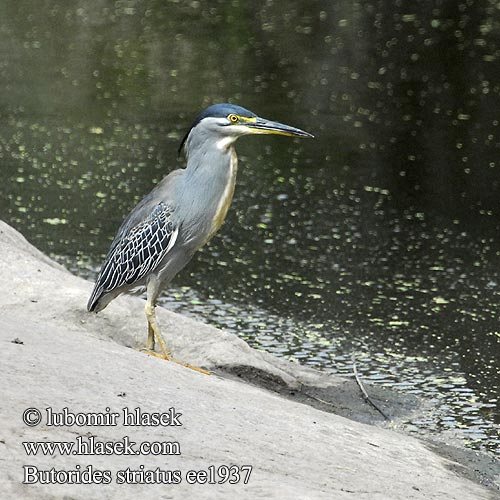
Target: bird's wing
[(147, 205), (138, 251)]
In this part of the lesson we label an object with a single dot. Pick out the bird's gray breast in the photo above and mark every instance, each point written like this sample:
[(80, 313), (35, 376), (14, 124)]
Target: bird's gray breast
[(206, 196)]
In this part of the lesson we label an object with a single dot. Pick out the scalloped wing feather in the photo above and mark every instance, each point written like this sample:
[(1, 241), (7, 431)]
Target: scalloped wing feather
[(136, 253)]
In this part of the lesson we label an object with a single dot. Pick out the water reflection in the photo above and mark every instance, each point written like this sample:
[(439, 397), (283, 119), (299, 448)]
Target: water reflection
[(380, 237)]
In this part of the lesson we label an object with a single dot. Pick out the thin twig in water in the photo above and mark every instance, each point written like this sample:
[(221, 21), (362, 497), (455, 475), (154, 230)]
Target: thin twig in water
[(363, 390), (315, 398), (319, 400)]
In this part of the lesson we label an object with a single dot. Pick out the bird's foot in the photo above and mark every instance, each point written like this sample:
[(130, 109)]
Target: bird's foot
[(148, 350), (167, 357)]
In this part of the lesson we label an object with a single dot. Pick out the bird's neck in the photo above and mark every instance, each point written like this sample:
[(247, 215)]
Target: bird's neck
[(206, 158), (208, 186)]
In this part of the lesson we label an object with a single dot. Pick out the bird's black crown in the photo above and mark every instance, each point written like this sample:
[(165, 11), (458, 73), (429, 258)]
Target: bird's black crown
[(217, 111)]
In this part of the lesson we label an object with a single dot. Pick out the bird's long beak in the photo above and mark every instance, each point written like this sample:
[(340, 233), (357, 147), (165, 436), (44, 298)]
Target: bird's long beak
[(263, 126)]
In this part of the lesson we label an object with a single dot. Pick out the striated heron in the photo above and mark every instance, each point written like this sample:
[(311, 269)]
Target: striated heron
[(162, 233)]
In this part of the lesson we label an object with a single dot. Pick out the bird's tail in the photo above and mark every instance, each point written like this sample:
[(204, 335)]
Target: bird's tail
[(94, 303)]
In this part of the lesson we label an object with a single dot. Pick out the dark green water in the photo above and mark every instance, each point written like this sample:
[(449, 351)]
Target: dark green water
[(380, 238)]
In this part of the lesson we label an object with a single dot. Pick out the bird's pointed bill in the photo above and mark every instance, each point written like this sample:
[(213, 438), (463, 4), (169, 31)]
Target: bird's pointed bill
[(263, 126)]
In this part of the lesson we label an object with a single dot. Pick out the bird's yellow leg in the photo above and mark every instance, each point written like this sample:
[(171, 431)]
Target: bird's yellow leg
[(154, 334), (150, 346)]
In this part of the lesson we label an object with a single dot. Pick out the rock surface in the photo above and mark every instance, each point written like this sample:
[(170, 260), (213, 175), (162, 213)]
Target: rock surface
[(56, 355)]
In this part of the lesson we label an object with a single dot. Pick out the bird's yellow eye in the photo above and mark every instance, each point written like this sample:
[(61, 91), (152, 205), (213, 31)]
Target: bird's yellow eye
[(232, 118)]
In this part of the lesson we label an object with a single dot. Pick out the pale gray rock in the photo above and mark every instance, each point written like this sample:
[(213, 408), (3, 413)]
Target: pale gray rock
[(55, 354)]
